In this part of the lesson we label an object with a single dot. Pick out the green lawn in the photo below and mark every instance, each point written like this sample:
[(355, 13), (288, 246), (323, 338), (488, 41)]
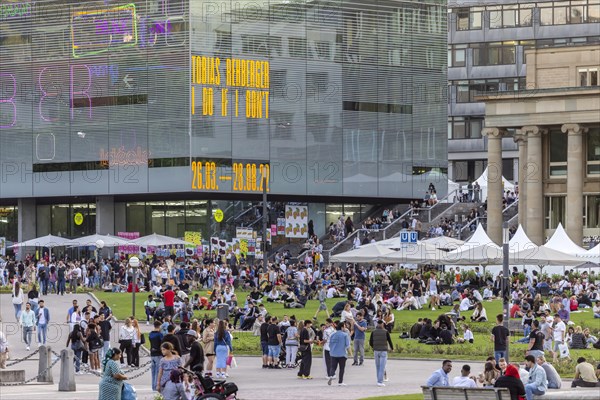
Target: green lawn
[(397, 397), (246, 343)]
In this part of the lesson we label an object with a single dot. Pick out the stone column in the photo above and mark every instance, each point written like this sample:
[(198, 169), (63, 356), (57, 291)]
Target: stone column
[(494, 190), (105, 215), (575, 160), (534, 184), (521, 140), (27, 224)]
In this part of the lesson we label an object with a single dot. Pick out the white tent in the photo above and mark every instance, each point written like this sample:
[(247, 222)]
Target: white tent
[(415, 253), (364, 254), (520, 241), (592, 255), (158, 240), (543, 256), (444, 242), (483, 182), (562, 242), (48, 241), (92, 240), (453, 189), (479, 249)]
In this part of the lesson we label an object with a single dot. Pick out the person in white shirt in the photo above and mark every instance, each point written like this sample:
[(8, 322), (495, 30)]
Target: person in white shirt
[(487, 293), (558, 332), (27, 321), (3, 349), (477, 296), (465, 304), (464, 380)]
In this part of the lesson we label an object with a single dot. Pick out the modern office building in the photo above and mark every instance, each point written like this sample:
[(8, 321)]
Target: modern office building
[(487, 41), (147, 115), (557, 127)]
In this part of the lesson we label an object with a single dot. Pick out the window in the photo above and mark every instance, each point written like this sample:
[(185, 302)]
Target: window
[(457, 55), (255, 44), (593, 13), (464, 127), (525, 14), (588, 76), (560, 12), (297, 47), (495, 53), (592, 211), (555, 211), (469, 170), (510, 15), (323, 50), (546, 16), (468, 19), (593, 151), (558, 154), (278, 82)]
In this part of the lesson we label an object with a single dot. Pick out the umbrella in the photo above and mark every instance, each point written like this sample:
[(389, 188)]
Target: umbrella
[(158, 240), (366, 254), (109, 241), (48, 241)]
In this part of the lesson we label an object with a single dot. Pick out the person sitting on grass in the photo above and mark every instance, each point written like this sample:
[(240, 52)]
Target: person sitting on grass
[(467, 335), (578, 340), (584, 374), (479, 315)]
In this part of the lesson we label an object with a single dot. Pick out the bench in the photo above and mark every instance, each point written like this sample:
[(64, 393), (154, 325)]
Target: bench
[(515, 326), (459, 393)]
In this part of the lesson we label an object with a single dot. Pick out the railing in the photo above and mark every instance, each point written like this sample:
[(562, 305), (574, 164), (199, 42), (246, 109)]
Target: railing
[(443, 200), (484, 218)]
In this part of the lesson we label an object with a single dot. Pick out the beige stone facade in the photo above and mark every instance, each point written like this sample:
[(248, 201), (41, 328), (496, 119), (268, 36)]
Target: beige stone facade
[(556, 123)]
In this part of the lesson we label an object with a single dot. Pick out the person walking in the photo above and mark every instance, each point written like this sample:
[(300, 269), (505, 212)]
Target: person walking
[(339, 343), (111, 384), (499, 337), (43, 319), (223, 348), (27, 322), (18, 297), (327, 332), (360, 326), (305, 348), (155, 339), (322, 297), (208, 344), (380, 341), (126, 336)]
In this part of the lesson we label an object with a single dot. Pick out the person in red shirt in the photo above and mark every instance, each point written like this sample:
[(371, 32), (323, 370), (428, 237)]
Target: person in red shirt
[(169, 298), (515, 310)]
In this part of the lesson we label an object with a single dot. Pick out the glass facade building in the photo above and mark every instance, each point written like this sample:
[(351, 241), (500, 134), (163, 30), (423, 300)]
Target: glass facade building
[(188, 101)]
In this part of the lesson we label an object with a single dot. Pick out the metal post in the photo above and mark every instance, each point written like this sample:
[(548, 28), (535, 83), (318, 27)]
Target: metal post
[(505, 284), (133, 291), (264, 224)]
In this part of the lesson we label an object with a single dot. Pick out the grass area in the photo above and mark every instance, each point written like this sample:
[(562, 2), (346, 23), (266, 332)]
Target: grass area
[(246, 343), (397, 397)]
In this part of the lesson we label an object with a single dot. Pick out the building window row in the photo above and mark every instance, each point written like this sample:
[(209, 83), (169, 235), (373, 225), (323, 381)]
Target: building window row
[(556, 212), (519, 15), (467, 91), (588, 76), (558, 152)]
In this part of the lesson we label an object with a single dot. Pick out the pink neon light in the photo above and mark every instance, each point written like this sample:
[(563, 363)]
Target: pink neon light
[(44, 95), (83, 92), (11, 100)]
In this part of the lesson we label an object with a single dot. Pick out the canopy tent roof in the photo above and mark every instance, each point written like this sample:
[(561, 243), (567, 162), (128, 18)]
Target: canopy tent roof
[(444, 242), (543, 256), (562, 242), (592, 255), (92, 240), (158, 240), (367, 253), (520, 241), (412, 253), (484, 178), (479, 249), (48, 241)]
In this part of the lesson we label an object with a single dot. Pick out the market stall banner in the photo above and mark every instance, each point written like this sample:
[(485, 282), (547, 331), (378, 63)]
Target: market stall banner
[(296, 221)]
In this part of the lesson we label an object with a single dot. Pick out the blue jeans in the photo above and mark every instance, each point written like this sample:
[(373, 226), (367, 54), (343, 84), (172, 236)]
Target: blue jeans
[(78, 354), (62, 286), (380, 362), (17, 310), (42, 333), (155, 368), (531, 390), (526, 331), (500, 354), (27, 332), (105, 349)]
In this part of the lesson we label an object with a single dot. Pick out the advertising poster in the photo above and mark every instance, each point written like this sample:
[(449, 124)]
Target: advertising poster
[(2, 246), (129, 248), (194, 249), (281, 226), (243, 233), (251, 247), (296, 222), (273, 230), (258, 253)]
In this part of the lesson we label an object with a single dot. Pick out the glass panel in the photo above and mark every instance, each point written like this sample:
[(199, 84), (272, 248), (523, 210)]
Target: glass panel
[(525, 12), (136, 218), (495, 19), (558, 146), (475, 128), (60, 219), (557, 211), (593, 212), (462, 19), (594, 78), (462, 94), (546, 16), (593, 14), (459, 58), (459, 129), (196, 217), (576, 16), (509, 17), (560, 15), (475, 22), (155, 217), (583, 78), (508, 55), (593, 144), (175, 218)]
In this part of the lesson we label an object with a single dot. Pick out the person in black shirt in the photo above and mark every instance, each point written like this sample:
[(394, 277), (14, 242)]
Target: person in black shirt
[(305, 347), (196, 360), (536, 341), (274, 344), (255, 294), (155, 338), (89, 308), (251, 316), (446, 335), (499, 337), (171, 338), (263, 341), (105, 328)]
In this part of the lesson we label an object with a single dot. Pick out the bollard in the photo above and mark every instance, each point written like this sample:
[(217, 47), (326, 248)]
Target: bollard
[(44, 363), (67, 371)]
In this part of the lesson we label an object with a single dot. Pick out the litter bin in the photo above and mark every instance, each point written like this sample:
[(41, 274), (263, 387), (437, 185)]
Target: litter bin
[(222, 311)]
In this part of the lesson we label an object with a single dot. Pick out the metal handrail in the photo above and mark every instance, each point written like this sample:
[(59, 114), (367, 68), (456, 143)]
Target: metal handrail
[(476, 219)]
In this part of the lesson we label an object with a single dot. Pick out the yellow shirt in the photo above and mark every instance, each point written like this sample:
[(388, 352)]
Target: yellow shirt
[(586, 372)]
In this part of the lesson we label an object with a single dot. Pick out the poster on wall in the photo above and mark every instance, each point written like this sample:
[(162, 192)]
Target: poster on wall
[(251, 247), (243, 233), (129, 248), (296, 221), (258, 253), (2, 246), (194, 249), (280, 226)]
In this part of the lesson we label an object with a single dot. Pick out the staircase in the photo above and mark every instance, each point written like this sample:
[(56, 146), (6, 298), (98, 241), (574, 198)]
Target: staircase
[(510, 215)]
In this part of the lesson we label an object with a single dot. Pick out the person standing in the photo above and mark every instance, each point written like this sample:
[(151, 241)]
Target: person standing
[(43, 319), (558, 332), (380, 341), (208, 344), (126, 336), (3, 350), (196, 360), (111, 384), (18, 297), (264, 338), (536, 341), (360, 326), (499, 337), (27, 322), (339, 343), (305, 347), (169, 299), (61, 281), (105, 328), (537, 384), (274, 344), (155, 339), (327, 332), (222, 349), (322, 297)]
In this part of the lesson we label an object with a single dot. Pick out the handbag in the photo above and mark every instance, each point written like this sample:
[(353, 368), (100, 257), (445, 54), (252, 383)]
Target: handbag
[(97, 344), (77, 346), (303, 347), (142, 339)]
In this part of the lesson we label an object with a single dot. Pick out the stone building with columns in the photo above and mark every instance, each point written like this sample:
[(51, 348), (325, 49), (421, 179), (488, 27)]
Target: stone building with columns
[(557, 128)]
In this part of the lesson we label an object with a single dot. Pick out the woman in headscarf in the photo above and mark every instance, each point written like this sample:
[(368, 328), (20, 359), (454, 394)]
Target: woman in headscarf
[(111, 384), (174, 389), (512, 381)]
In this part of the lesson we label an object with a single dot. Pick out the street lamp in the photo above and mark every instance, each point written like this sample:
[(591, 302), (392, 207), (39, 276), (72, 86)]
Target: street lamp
[(134, 262), (505, 285), (99, 246)]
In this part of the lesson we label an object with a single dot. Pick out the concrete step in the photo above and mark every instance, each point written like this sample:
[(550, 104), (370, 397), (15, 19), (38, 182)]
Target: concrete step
[(571, 394), (12, 375)]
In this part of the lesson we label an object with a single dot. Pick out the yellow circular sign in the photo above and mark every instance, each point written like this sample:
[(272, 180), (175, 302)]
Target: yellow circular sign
[(78, 218), (218, 215)]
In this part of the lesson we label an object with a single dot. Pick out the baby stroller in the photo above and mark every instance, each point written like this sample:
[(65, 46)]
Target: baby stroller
[(209, 389)]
